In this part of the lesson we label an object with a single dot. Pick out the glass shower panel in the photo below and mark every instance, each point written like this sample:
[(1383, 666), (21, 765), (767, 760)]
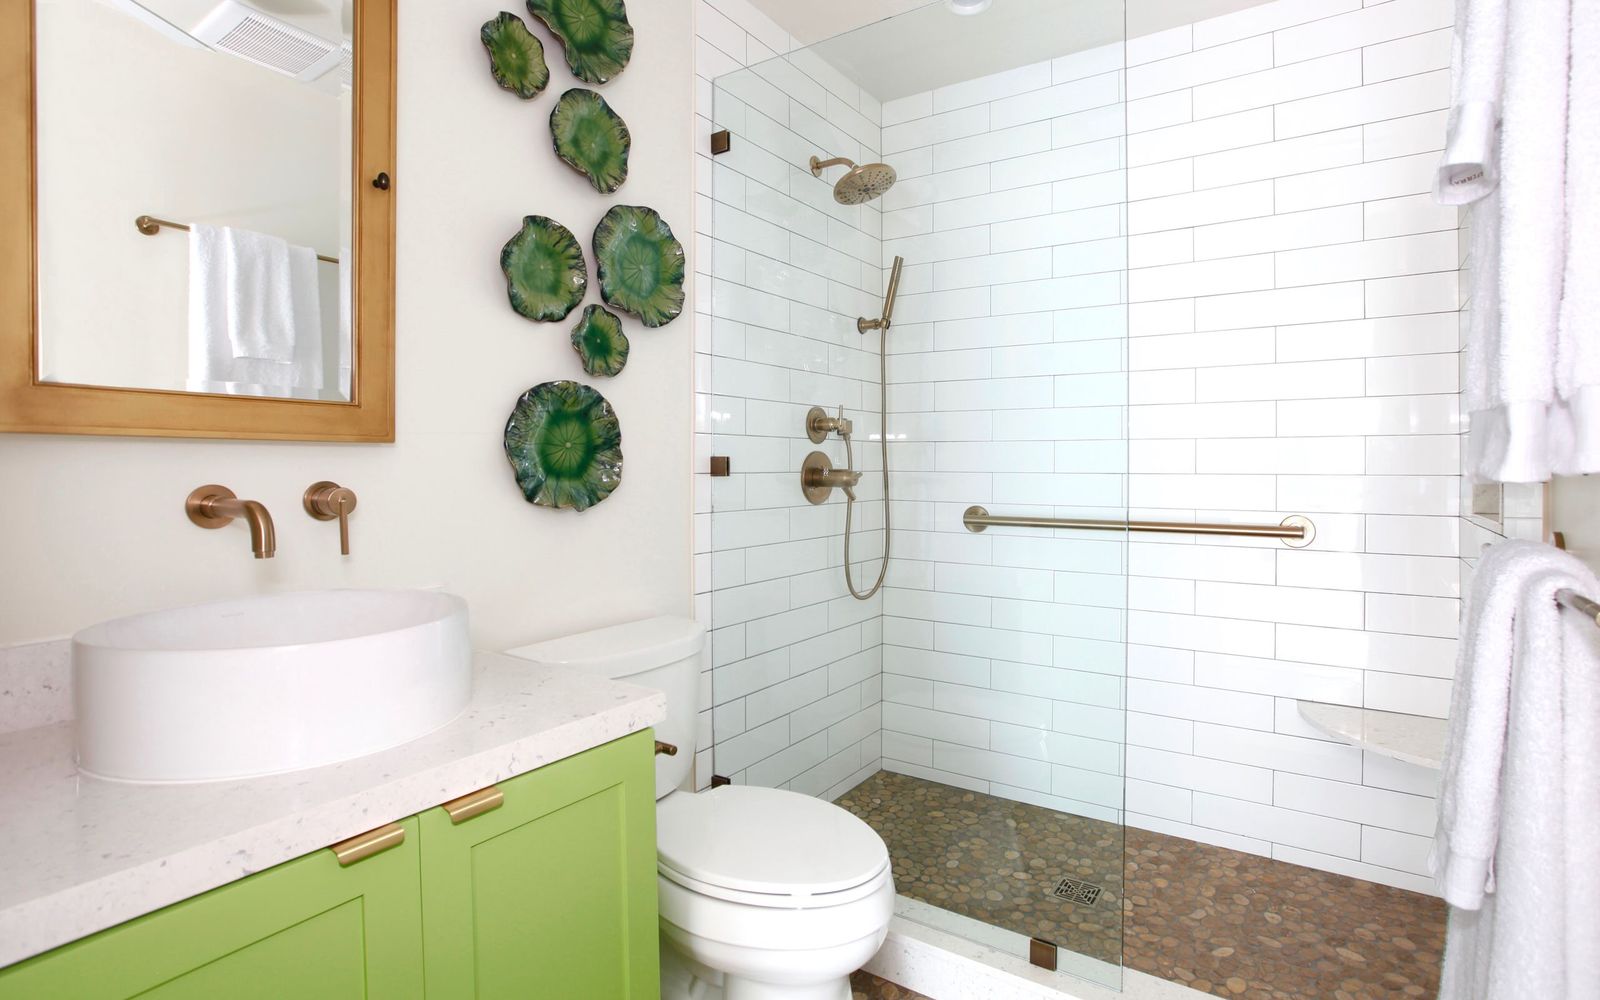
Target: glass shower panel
[(972, 710)]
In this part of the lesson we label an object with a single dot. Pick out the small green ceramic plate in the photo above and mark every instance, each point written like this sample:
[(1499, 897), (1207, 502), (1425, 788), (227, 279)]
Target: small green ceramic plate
[(600, 342), (516, 57), (596, 34), (545, 273), (641, 264), (565, 446), (591, 138)]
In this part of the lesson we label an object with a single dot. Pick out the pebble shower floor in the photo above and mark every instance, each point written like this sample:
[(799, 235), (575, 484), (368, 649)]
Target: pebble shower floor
[(1219, 921)]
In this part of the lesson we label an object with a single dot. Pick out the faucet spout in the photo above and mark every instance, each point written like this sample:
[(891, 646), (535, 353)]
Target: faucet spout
[(263, 536), (217, 506)]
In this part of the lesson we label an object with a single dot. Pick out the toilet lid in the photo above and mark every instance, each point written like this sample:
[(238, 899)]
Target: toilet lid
[(766, 840)]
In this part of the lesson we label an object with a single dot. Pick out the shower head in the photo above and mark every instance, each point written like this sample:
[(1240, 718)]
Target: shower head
[(860, 184)]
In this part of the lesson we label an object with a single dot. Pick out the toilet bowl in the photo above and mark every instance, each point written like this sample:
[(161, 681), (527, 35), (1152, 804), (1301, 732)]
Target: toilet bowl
[(765, 894)]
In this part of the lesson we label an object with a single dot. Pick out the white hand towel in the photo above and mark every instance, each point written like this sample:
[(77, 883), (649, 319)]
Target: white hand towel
[(1519, 768), (1471, 168), (255, 324)]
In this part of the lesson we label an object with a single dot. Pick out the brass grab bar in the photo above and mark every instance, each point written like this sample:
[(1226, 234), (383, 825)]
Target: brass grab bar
[(150, 226), (1296, 530)]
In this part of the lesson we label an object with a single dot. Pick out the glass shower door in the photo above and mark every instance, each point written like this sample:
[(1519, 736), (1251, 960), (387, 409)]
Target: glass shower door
[(972, 711)]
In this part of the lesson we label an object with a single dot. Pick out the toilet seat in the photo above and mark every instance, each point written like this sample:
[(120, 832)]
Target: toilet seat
[(768, 847)]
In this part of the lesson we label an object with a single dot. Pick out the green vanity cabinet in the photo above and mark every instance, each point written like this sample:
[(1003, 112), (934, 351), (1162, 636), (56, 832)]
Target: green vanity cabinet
[(550, 894), (307, 929), (553, 893)]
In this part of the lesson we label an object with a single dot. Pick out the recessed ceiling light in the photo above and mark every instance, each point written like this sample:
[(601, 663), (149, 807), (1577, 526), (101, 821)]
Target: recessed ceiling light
[(966, 8)]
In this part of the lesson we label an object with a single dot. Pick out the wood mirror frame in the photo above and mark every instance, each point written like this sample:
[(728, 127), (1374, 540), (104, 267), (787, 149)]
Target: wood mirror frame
[(28, 405)]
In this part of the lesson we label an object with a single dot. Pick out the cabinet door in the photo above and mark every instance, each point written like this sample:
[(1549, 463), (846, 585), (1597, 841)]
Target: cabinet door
[(553, 894), (307, 929)]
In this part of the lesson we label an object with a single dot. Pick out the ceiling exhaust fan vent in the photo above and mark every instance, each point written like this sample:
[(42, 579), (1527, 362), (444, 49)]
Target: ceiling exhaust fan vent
[(242, 31)]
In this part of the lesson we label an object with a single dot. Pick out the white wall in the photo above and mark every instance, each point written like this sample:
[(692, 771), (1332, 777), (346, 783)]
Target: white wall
[(147, 126), (792, 699), (92, 528), (1290, 311)]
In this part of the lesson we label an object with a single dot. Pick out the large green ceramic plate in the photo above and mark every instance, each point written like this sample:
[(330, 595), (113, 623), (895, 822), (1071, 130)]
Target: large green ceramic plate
[(641, 264), (565, 446), (591, 138), (545, 273), (596, 34), (516, 57), (600, 342)]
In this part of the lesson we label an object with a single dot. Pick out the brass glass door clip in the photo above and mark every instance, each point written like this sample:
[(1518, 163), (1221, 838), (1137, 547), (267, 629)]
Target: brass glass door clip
[(327, 501)]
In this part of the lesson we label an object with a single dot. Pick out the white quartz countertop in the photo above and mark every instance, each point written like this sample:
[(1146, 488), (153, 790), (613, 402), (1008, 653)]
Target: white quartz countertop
[(80, 854), (1415, 739)]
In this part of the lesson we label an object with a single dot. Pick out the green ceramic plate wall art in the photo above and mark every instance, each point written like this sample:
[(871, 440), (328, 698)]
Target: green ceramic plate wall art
[(516, 57), (641, 264), (591, 138), (596, 34), (545, 273), (600, 342), (565, 446)]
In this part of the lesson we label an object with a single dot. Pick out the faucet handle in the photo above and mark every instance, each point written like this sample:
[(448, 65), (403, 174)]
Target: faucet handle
[(326, 501)]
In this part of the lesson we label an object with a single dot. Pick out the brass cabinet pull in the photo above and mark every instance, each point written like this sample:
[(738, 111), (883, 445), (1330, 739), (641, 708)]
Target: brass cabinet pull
[(365, 845), (474, 804), (665, 749)]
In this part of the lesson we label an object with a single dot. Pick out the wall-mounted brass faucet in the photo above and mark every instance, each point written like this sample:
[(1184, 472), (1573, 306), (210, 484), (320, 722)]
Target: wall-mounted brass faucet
[(216, 506), (326, 501)]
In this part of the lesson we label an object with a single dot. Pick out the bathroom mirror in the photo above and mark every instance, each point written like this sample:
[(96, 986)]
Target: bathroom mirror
[(205, 189)]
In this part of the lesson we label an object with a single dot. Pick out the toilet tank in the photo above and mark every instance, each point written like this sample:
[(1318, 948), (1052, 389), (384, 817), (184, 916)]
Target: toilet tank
[(667, 654)]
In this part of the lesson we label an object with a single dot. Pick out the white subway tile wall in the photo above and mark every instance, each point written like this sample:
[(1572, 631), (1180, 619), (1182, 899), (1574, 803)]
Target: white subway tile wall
[(792, 696), (1196, 278)]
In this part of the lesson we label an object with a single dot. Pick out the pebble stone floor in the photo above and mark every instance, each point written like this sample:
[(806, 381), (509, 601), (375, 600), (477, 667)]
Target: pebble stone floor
[(866, 986), (1219, 921)]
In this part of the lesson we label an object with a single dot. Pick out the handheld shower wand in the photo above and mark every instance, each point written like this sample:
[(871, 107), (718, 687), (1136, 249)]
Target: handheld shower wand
[(881, 324)]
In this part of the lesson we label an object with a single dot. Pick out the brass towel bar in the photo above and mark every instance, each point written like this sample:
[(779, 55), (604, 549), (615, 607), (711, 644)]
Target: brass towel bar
[(1579, 603), (1295, 530), (150, 226)]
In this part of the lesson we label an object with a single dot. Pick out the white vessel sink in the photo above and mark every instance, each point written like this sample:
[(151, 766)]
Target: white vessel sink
[(268, 684)]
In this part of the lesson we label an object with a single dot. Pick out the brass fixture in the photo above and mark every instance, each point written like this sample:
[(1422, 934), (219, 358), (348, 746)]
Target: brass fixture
[(819, 425), (151, 226), (1579, 603), (861, 184), (882, 322), (721, 466), (721, 142), (818, 478), (216, 506), (365, 845), (665, 749), (1042, 953), (326, 501), (1295, 530), (474, 804)]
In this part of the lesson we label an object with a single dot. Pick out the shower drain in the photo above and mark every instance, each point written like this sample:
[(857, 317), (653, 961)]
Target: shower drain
[(1082, 893)]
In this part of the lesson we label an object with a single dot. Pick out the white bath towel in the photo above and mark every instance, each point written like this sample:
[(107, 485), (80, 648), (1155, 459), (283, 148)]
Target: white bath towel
[(1513, 854), (1532, 376), (1576, 421), (255, 318)]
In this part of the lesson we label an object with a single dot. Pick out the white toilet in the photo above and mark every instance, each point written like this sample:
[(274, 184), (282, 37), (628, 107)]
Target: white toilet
[(766, 894)]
